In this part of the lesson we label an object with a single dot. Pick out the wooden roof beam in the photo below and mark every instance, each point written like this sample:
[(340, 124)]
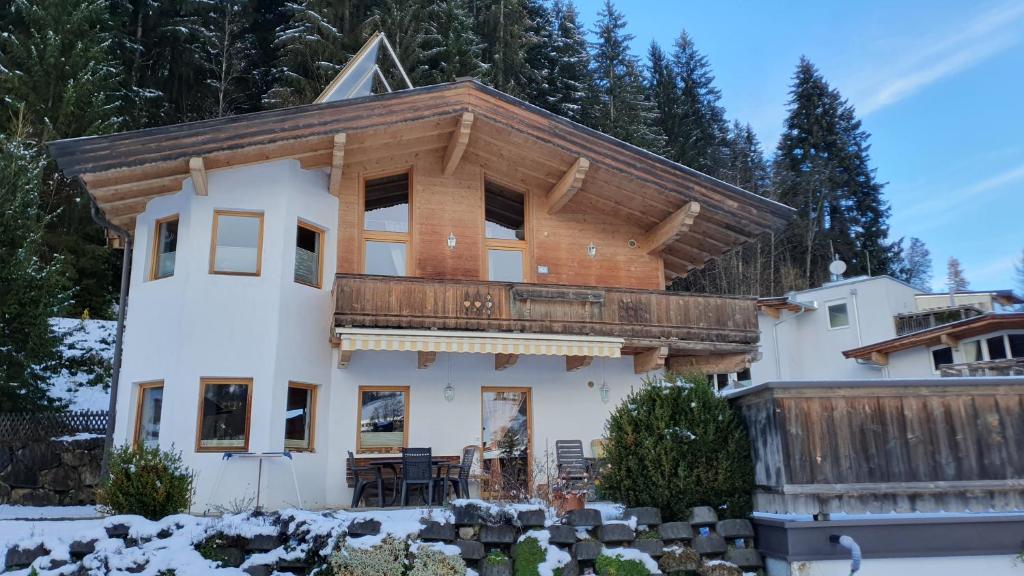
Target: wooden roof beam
[(574, 363), (950, 340), (650, 359), (197, 169), (880, 358), (425, 359), (570, 183), (457, 144), (670, 228), (337, 163), (504, 361)]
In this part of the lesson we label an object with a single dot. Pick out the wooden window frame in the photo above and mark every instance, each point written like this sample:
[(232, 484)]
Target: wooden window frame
[(154, 265), (529, 424), (321, 233), (313, 389), (381, 236), (142, 387), (259, 243), (505, 244), (203, 383), (359, 419)]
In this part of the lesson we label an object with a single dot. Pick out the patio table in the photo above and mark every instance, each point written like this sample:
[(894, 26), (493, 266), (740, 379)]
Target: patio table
[(395, 464)]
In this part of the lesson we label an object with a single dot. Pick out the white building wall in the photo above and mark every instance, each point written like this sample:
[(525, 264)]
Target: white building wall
[(1002, 565)]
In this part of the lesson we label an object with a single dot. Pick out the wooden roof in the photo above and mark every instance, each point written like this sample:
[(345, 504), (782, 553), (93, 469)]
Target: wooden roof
[(954, 331), (122, 172)]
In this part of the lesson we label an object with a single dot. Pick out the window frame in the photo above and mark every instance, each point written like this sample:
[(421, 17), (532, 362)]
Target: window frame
[(321, 233), (931, 357), (217, 381), (142, 387), (154, 265), (382, 236), (828, 315), (359, 419), (311, 440), (522, 246), (217, 213)]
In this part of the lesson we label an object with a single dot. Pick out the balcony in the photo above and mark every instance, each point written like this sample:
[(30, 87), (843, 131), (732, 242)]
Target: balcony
[(1007, 367), (671, 324), (917, 321)]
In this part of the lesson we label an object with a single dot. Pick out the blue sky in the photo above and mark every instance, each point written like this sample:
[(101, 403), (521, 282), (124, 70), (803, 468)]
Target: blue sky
[(939, 84)]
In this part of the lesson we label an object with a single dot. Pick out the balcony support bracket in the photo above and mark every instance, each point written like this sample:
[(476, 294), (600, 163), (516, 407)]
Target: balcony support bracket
[(503, 361), (650, 360)]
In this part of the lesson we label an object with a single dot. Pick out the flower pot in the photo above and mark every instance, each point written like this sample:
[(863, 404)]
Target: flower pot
[(567, 501)]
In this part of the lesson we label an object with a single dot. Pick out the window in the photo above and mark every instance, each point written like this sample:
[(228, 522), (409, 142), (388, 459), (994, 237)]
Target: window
[(1016, 345), (309, 257), (165, 246), (971, 351), (224, 406), (386, 212), (300, 417), (237, 243), (504, 233), (941, 356), (147, 415), (996, 348), (838, 316), (383, 419)]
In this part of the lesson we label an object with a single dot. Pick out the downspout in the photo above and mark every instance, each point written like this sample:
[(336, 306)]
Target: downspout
[(778, 345), (122, 305)]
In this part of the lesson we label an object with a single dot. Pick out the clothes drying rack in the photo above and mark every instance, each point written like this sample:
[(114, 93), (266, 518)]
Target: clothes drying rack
[(260, 456)]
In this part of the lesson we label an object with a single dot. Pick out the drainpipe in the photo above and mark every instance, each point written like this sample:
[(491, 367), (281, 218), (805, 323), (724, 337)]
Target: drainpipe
[(778, 345), (122, 305)]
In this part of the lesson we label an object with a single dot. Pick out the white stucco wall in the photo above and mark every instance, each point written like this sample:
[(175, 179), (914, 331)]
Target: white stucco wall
[(944, 566), (808, 349)]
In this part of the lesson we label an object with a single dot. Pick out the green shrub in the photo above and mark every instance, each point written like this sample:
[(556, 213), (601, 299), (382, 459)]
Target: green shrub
[(615, 566), (384, 559), (495, 557), (431, 562), (147, 481), (527, 555), (675, 444)]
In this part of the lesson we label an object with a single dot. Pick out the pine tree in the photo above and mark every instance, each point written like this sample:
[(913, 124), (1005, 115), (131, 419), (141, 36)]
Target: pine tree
[(663, 91), (231, 48), (403, 22), (310, 52), (504, 28), (916, 268), (955, 278), (572, 81), (455, 47), (34, 285), (623, 110), (747, 167), (701, 140), (540, 55)]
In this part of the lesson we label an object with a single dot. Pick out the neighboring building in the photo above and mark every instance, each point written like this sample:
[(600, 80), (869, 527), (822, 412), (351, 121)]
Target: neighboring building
[(440, 267), (986, 301)]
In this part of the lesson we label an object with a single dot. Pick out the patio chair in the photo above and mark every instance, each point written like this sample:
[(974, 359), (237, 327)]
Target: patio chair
[(417, 470), (364, 476), (460, 481), (572, 465)]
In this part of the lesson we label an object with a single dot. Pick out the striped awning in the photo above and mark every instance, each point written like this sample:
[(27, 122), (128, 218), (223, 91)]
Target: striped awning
[(352, 339)]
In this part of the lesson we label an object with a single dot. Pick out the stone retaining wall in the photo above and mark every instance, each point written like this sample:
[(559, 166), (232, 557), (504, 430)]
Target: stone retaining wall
[(50, 472)]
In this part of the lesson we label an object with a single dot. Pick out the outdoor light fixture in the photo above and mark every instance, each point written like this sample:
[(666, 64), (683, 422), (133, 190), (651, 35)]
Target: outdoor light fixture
[(604, 392), (451, 241), (449, 390), (591, 249)]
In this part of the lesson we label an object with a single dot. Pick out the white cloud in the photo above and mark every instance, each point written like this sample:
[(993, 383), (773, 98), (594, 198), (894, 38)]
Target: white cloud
[(934, 213), (982, 37)]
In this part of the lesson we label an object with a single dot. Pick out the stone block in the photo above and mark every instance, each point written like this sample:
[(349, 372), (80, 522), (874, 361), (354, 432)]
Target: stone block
[(673, 531), (493, 567), (77, 458), (654, 548), (468, 514), (90, 473), (59, 479), (680, 561), (503, 534), (81, 548), (6, 457), (21, 557), (746, 558), (229, 556), (470, 549), (585, 517), (735, 528), (703, 516), (561, 535), (571, 569), (261, 543), (259, 570), (615, 534), (586, 550), (710, 544), (364, 528), (33, 497), (434, 531), (117, 531), (531, 518), (79, 497), (645, 516), (467, 532), (21, 475)]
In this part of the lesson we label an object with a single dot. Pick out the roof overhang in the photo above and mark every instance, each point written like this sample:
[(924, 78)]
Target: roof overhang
[(953, 332), (122, 172), (774, 306)]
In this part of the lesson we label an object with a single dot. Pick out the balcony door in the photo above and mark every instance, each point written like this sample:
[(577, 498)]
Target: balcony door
[(506, 432)]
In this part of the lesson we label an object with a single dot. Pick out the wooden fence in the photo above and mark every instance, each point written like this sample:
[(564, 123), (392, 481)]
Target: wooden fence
[(949, 444), (19, 426)]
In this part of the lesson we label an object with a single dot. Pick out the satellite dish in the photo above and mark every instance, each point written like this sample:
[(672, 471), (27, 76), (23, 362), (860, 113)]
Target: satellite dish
[(837, 267)]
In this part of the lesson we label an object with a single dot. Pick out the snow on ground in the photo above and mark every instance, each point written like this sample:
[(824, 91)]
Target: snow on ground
[(83, 337)]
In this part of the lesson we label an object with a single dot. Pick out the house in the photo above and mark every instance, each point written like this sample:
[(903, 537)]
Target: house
[(831, 332), (440, 267)]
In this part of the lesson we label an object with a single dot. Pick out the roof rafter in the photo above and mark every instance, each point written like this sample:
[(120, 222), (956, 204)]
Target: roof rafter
[(566, 188), (457, 144)]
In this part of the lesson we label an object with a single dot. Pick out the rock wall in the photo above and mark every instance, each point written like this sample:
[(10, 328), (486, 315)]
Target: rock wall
[(50, 472)]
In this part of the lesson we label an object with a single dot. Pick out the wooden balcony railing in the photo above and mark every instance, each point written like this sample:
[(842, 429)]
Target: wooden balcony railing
[(1007, 367), (685, 323), (917, 321)]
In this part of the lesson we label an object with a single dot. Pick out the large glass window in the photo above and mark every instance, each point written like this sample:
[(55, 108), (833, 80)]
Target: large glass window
[(505, 233), (224, 406), (386, 225), (996, 348), (838, 315), (1016, 345), (971, 351), (941, 356), (308, 255), (383, 419), (165, 247), (300, 417), (147, 419), (237, 243)]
